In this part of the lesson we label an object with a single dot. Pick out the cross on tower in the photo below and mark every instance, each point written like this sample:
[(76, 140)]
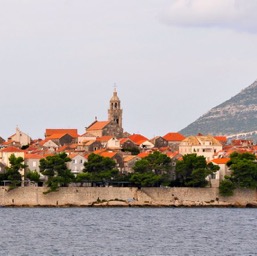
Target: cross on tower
[(115, 87)]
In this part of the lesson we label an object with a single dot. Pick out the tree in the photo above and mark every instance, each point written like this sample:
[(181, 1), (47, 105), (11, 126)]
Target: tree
[(193, 170), (147, 179), (55, 168), (33, 176), (243, 173), (156, 162), (13, 172), (226, 187), (132, 150), (152, 170), (100, 169)]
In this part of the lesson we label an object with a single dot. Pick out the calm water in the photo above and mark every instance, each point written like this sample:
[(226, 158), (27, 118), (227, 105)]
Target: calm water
[(128, 231)]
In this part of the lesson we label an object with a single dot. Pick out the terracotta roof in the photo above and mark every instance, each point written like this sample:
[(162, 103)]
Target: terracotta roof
[(56, 136), (11, 149), (99, 151), (71, 132), (41, 143), (143, 154), (8, 142), (139, 142), (129, 158), (220, 160), (222, 139), (62, 149), (89, 142), (87, 134), (104, 138), (73, 155), (174, 136), (123, 140), (172, 154), (33, 156), (162, 149), (97, 125), (200, 140), (137, 138), (108, 154)]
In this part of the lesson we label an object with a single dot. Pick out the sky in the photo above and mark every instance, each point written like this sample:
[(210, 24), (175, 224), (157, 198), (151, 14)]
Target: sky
[(171, 60)]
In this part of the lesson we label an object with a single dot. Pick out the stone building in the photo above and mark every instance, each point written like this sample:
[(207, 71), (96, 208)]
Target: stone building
[(159, 142), (20, 138), (115, 111), (112, 127), (206, 146)]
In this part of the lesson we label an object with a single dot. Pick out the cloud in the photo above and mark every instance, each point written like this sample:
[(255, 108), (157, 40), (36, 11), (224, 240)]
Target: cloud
[(238, 15)]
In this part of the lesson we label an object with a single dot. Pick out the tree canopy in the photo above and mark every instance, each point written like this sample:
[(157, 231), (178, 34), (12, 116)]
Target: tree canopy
[(55, 168), (243, 173), (193, 170), (152, 170), (99, 169), (13, 172)]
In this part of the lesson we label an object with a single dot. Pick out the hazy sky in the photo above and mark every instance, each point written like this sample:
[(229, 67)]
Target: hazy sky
[(172, 61)]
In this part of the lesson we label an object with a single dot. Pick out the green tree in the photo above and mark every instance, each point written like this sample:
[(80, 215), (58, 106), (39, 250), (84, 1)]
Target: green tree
[(132, 150), (193, 170), (147, 179), (152, 170), (156, 162), (33, 176), (55, 168), (100, 169), (13, 172), (243, 171), (226, 187)]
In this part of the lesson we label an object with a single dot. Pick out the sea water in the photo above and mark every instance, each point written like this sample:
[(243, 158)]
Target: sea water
[(128, 231)]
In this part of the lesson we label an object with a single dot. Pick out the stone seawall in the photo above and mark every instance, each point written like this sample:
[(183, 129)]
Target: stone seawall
[(117, 196)]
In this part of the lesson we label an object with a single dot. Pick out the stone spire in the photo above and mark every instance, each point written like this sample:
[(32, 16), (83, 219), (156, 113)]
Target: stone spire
[(115, 111)]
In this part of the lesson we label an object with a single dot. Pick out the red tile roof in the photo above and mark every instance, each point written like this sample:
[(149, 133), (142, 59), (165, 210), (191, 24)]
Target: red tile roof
[(137, 138), (56, 136), (220, 160), (222, 139), (174, 136), (123, 140), (104, 138), (97, 125), (99, 151), (11, 149), (143, 154), (108, 154), (33, 156), (71, 132)]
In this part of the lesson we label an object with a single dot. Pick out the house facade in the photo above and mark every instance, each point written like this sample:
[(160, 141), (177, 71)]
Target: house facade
[(201, 145), (33, 161), (159, 142), (20, 137), (76, 165)]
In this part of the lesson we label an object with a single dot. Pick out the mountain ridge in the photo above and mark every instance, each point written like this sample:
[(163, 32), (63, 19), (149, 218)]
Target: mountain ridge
[(233, 116)]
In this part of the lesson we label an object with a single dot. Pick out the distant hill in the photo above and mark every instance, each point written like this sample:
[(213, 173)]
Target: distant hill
[(235, 116)]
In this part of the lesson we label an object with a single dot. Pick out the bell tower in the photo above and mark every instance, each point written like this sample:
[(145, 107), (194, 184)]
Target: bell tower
[(115, 112)]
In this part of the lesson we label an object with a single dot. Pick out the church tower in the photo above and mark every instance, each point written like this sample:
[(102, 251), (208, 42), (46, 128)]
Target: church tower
[(115, 112)]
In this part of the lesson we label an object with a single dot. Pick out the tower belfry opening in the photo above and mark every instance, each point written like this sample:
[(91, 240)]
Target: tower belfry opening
[(115, 111)]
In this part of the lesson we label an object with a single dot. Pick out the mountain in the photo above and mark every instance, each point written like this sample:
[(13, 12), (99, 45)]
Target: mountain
[(235, 116)]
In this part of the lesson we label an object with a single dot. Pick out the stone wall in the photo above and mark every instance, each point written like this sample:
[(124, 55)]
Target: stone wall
[(116, 196)]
